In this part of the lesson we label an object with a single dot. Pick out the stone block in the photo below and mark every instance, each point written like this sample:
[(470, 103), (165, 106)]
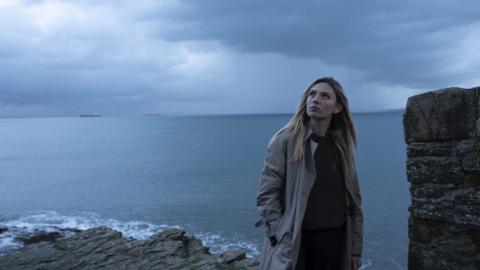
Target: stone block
[(430, 191), (477, 91), (439, 170), (468, 152), (441, 115), (422, 230), (420, 149), (442, 245), (441, 212), (473, 180)]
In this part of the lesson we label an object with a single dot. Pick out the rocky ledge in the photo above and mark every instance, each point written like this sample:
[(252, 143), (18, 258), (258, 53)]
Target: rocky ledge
[(105, 248)]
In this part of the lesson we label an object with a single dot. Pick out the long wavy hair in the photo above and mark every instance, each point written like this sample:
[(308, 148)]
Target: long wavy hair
[(341, 129)]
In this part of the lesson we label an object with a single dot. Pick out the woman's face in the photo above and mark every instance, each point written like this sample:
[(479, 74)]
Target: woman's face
[(322, 101)]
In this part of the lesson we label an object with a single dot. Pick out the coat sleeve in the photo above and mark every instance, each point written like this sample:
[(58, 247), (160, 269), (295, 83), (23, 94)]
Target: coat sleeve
[(358, 220), (272, 181)]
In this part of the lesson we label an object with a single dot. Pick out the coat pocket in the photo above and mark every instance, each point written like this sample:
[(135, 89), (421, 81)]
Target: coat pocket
[(274, 231), (282, 257)]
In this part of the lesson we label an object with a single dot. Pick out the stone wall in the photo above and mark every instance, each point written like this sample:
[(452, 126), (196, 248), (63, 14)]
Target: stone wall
[(442, 130)]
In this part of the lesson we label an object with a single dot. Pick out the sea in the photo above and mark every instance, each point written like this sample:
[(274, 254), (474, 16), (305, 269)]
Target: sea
[(143, 174)]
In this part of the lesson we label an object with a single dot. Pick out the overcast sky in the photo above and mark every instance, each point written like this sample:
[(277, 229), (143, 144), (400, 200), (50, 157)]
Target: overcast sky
[(62, 58)]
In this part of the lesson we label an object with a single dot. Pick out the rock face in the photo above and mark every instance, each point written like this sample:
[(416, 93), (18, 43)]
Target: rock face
[(442, 130), (104, 248)]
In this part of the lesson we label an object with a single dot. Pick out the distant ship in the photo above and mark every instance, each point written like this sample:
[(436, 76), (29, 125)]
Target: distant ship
[(90, 115), (154, 114)]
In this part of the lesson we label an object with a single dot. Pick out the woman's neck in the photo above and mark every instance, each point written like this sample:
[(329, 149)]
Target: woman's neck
[(320, 126)]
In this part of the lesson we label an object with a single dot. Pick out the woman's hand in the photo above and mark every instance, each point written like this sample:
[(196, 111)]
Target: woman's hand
[(356, 262)]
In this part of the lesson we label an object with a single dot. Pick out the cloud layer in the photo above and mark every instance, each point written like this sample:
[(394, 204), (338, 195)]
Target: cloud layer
[(213, 56)]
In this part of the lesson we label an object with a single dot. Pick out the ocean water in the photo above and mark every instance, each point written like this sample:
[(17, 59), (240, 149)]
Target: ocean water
[(141, 175)]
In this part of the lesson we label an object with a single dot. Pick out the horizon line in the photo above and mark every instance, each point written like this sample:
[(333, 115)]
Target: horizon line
[(159, 115)]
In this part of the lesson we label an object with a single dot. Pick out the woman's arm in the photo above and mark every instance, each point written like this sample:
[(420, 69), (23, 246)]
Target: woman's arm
[(358, 220), (272, 180)]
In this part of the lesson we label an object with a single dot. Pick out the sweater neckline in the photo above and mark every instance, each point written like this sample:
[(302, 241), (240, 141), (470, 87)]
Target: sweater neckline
[(318, 139)]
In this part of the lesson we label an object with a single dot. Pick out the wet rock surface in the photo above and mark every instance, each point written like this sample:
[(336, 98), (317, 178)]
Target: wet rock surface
[(442, 130), (105, 248)]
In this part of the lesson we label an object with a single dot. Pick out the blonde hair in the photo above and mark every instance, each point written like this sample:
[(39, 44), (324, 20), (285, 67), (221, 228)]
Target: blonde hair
[(341, 127)]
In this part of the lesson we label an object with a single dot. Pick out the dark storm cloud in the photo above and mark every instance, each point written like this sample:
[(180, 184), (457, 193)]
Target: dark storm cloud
[(75, 57), (401, 42), (212, 56)]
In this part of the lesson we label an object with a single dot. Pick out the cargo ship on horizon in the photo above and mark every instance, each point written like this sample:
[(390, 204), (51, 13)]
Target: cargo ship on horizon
[(90, 115)]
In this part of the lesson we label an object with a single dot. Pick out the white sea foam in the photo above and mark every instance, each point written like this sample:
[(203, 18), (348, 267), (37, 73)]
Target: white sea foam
[(7, 243), (219, 243), (51, 221), (366, 264)]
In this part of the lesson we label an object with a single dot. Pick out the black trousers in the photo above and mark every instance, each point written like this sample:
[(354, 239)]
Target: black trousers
[(323, 248)]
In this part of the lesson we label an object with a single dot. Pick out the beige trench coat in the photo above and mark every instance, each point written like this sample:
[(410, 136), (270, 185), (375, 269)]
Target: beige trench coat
[(282, 197)]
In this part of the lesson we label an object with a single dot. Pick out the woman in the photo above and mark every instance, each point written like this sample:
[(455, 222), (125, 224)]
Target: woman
[(308, 194)]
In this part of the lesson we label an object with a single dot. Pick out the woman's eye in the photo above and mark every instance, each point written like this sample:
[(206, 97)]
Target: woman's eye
[(312, 94), (325, 96)]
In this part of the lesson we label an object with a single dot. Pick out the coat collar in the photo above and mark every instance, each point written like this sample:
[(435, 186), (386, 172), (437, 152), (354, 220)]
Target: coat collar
[(308, 133), (310, 147)]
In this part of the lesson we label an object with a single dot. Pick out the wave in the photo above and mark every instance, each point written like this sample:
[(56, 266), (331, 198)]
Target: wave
[(51, 221)]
